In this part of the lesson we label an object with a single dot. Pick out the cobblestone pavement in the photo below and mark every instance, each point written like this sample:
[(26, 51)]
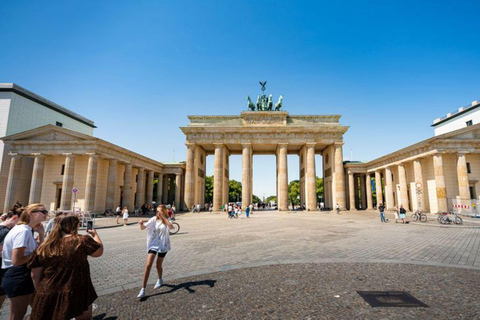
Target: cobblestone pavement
[(210, 246)]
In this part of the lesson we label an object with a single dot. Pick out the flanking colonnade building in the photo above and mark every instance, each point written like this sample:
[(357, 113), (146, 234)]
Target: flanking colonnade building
[(49, 155)]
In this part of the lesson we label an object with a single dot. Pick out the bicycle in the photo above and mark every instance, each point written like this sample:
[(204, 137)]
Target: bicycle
[(417, 215), (176, 227), (444, 218)]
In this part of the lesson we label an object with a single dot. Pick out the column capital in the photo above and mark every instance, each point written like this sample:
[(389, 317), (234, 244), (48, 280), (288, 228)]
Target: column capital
[(246, 145), (338, 144), (310, 144), (218, 145), (190, 145), (92, 155), (37, 155)]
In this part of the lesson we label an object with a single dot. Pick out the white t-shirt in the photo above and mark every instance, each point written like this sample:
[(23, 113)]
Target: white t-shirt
[(158, 238), (20, 236), (125, 214)]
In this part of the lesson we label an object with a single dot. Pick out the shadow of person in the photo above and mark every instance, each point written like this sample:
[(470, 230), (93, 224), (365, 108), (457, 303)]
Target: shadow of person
[(102, 317), (186, 285)]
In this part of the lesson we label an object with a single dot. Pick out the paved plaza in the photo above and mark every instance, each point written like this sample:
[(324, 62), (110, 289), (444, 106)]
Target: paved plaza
[(305, 265)]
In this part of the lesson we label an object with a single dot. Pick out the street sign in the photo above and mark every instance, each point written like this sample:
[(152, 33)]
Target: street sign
[(74, 190), (418, 184)]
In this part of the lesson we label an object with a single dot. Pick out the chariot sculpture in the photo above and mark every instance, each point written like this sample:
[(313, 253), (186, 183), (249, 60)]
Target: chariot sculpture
[(265, 103)]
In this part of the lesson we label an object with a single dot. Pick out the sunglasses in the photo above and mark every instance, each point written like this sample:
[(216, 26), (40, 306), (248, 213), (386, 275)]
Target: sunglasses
[(45, 212)]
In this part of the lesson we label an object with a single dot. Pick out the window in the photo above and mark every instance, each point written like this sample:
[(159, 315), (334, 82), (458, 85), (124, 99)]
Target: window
[(63, 170), (468, 168), (59, 124), (469, 123)]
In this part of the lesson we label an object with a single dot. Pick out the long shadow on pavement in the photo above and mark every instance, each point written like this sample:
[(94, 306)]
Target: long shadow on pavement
[(187, 286)]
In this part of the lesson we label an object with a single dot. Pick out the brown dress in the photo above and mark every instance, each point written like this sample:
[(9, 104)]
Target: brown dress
[(66, 289)]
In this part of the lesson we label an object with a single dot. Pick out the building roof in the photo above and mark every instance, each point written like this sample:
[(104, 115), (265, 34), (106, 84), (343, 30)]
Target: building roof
[(12, 87), (474, 105)]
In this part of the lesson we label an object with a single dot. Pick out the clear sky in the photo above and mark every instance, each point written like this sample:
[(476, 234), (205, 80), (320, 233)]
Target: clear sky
[(138, 68)]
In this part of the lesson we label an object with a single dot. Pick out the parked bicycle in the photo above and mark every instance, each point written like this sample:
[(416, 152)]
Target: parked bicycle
[(449, 217), (176, 227), (417, 215)]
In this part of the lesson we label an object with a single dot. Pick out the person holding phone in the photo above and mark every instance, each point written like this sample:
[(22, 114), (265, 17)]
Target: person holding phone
[(61, 273), (158, 244), (18, 248)]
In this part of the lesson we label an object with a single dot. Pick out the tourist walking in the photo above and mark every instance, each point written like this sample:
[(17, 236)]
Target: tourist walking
[(337, 207), (251, 208), (118, 213), (158, 244), (125, 215), (61, 273), (381, 208), (395, 212), (403, 214), (5, 227), (247, 211), (18, 248)]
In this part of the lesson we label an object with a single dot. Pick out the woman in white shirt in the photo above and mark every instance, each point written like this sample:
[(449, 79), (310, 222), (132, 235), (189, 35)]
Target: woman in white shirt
[(18, 247), (158, 244), (125, 215)]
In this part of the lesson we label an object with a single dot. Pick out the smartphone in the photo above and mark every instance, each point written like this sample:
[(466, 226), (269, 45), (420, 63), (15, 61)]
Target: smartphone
[(89, 224)]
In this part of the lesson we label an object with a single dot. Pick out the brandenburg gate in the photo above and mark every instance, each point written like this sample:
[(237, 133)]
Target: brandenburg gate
[(265, 131)]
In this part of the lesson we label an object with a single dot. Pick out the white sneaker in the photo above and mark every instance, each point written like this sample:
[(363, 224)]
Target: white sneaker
[(141, 294), (158, 284)]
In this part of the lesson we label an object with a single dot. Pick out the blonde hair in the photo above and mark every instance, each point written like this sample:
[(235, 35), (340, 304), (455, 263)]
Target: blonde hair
[(65, 223), (26, 211)]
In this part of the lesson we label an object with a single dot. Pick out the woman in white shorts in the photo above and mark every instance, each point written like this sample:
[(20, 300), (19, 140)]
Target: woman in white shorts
[(125, 215), (158, 244)]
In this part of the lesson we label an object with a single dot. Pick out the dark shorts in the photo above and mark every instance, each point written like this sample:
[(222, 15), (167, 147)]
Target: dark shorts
[(160, 254), (2, 272), (17, 281)]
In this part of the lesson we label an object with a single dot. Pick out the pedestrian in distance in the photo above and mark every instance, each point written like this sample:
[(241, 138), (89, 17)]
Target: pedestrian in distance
[(125, 215), (18, 248), (395, 212), (403, 214), (247, 211), (118, 213), (158, 244), (198, 207), (61, 272), (381, 208), (337, 207)]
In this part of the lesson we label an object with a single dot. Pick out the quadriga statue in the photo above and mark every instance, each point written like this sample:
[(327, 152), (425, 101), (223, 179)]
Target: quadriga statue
[(279, 104), (250, 104)]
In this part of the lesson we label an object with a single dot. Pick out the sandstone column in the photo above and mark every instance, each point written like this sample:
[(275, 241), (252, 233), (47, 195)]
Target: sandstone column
[(418, 176), (91, 185), (165, 189), (402, 177), (389, 189), (246, 177), (218, 178), (37, 179), (440, 182), (339, 177), (127, 187), (368, 184), (283, 177), (363, 198), (160, 189), (351, 191), (462, 174), (111, 185), (12, 182), (67, 185), (149, 187), (378, 188), (190, 176), (140, 199), (178, 191), (310, 178)]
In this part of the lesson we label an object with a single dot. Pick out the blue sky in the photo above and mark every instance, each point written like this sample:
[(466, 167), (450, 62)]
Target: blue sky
[(138, 68)]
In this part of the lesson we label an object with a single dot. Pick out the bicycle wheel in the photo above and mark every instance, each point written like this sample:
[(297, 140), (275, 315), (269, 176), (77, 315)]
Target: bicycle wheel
[(176, 228), (414, 217), (443, 220), (439, 217), (423, 217), (458, 220)]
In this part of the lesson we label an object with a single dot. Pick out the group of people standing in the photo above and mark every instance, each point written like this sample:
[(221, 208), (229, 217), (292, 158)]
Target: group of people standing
[(235, 211), (399, 213)]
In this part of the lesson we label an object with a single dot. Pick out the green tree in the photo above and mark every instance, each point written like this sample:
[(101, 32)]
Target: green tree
[(271, 198), (234, 191), (294, 192), (209, 189), (255, 199), (320, 194)]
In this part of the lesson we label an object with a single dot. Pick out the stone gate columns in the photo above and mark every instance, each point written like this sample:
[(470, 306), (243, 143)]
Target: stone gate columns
[(178, 191), (363, 198), (378, 187), (418, 176), (246, 174), (140, 196), (149, 187), (218, 178), (160, 189), (339, 177), (402, 177), (90, 187), (190, 176), (283, 177), (37, 179), (67, 185), (310, 178), (12, 182), (368, 184), (462, 174), (440, 183), (389, 189), (165, 199), (127, 187), (111, 185), (351, 191)]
